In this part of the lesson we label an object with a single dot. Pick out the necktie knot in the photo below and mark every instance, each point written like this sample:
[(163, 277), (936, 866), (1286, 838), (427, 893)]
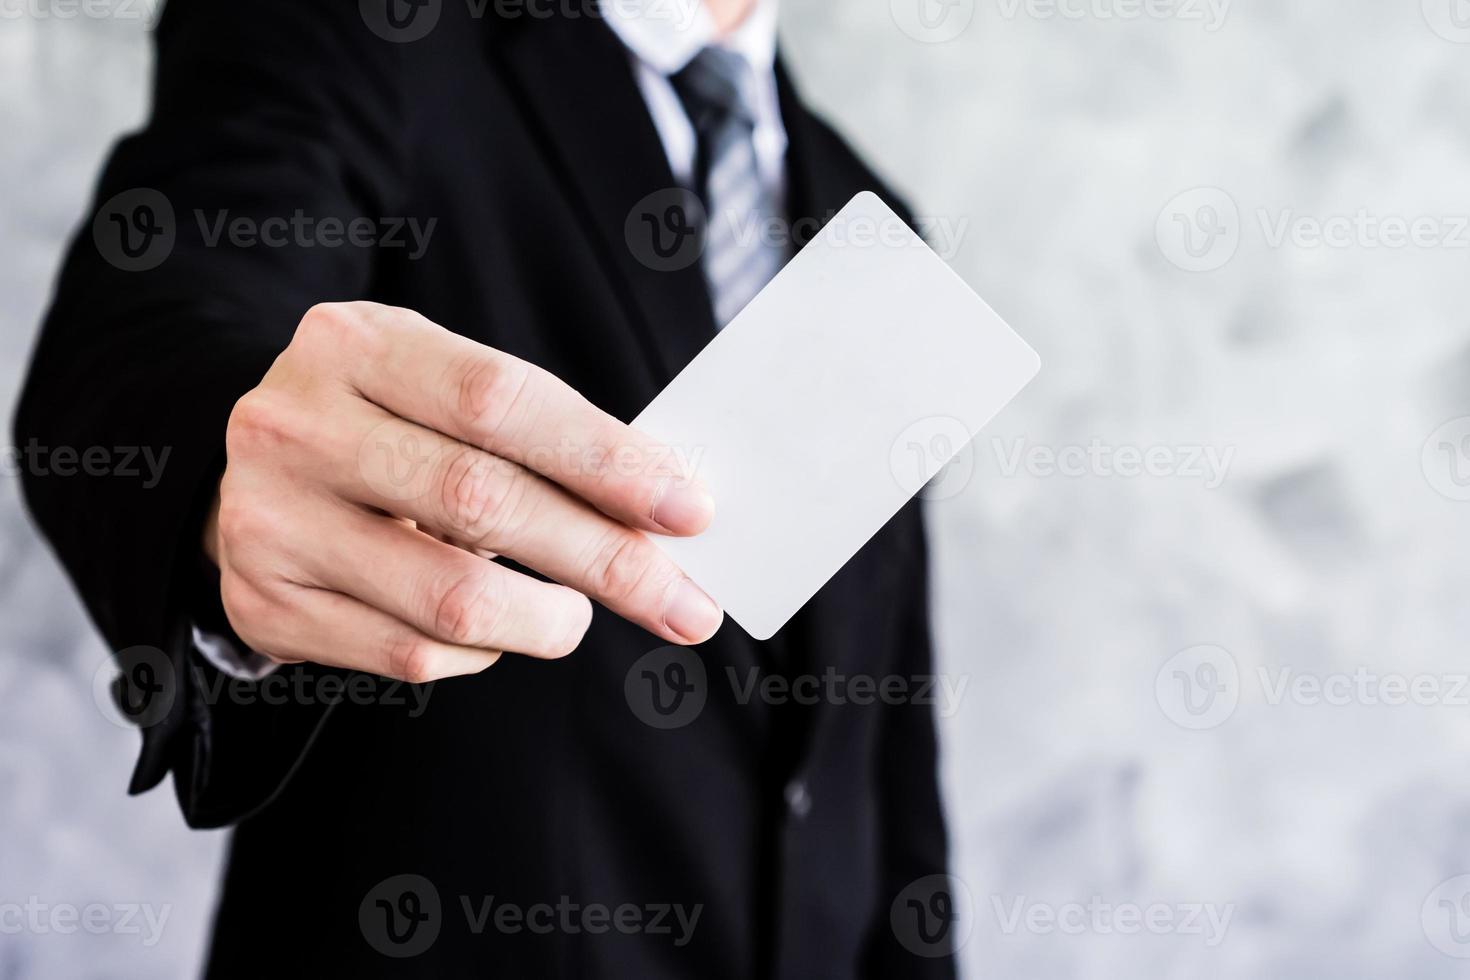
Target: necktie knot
[(713, 89), (716, 90)]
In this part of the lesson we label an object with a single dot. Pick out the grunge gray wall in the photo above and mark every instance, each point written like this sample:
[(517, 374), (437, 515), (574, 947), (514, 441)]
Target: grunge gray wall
[(1201, 590)]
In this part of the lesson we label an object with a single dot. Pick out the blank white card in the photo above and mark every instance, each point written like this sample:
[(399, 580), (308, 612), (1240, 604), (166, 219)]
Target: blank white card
[(826, 404)]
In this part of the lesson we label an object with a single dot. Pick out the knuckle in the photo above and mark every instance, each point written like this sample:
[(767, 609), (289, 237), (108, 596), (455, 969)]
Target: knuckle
[(409, 659), (259, 423), (354, 330), (246, 608), (331, 323), (248, 522), (465, 610), (232, 520), (621, 563), (481, 495), (574, 627), (489, 390)]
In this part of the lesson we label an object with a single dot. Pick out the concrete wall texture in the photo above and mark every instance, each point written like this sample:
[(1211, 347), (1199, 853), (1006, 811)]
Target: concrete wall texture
[(1200, 590)]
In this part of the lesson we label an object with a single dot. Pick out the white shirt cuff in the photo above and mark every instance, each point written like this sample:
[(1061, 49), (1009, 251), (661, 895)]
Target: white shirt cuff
[(220, 651)]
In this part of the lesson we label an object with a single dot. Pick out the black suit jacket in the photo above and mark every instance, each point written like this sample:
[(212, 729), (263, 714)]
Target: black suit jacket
[(794, 828)]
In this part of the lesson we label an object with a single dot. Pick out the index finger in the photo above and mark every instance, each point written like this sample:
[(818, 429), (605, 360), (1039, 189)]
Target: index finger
[(487, 398)]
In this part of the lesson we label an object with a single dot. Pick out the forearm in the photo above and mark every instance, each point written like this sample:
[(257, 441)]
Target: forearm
[(259, 111)]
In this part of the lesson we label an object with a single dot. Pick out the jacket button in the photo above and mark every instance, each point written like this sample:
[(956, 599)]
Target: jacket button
[(798, 799)]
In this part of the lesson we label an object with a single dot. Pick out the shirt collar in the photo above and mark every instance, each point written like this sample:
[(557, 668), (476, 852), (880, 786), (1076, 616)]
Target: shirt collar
[(667, 34)]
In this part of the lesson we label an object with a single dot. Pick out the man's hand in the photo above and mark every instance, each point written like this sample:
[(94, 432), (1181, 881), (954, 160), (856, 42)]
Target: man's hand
[(383, 459)]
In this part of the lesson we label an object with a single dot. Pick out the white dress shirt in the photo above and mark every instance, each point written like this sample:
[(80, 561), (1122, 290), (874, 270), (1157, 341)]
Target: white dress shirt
[(661, 37), (659, 46)]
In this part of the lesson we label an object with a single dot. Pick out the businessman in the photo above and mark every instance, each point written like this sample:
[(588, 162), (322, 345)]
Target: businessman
[(386, 280)]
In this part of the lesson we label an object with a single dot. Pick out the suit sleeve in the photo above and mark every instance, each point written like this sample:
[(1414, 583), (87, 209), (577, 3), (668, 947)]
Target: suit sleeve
[(208, 237), (913, 838)]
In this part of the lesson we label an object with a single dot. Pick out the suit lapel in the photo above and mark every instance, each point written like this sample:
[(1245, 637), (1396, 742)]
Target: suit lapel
[(582, 100)]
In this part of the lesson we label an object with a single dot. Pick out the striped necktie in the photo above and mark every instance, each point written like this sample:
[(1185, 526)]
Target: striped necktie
[(741, 252)]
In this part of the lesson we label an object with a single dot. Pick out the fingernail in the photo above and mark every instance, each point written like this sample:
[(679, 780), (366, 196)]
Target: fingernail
[(691, 613), (683, 508)]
